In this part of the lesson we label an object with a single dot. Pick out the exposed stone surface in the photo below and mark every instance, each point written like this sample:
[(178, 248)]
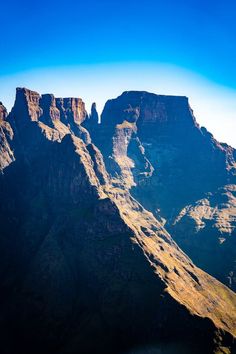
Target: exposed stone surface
[(153, 145), (85, 267), (6, 135), (91, 122), (72, 110), (56, 117), (206, 230)]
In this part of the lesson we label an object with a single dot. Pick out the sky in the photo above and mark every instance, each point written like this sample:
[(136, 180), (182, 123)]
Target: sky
[(98, 49)]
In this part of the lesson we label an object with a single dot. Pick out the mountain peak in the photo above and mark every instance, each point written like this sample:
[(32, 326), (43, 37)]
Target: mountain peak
[(149, 109), (27, 104), (24, 94), (94, 114)]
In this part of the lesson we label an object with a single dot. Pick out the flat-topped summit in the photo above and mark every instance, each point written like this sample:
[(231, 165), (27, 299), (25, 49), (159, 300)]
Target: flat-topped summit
[(144, 94), (148, 109)]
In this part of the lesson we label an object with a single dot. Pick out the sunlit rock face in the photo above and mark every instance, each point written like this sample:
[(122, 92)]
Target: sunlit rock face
[(153, 146), (6, 136), (55, 117), (186, 159), (86, 268)]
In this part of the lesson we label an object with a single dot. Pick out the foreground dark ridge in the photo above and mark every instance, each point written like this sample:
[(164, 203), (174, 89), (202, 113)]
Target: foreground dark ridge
[(81, 257)]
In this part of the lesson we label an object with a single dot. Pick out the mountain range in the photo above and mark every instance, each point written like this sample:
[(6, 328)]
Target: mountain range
[(118, 234)]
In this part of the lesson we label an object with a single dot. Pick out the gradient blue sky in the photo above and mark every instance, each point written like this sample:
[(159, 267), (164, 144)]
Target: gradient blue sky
[(96, 49)]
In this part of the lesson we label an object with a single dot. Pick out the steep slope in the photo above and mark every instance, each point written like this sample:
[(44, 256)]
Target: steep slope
[(85, 268), (152, 145), (206, 230), (6, 135)]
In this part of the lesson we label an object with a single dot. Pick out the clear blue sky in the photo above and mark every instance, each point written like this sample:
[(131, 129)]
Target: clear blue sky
[(193, 35)]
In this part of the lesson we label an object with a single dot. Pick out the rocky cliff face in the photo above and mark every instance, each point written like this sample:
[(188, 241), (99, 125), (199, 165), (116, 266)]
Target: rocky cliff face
[(54, 117), (176, 150), (155, 148), (6, 135), (85, 267)]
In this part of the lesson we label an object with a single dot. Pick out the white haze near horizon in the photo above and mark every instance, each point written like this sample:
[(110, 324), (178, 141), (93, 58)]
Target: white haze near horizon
[(214, 106)]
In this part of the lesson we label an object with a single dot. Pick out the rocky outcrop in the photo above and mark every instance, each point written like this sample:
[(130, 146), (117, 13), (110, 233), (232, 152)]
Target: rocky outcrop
[(73, 114), (6, 136), (91, 122), (153, 146), (85, 267), (206, 231), (55, 117), (72, 110), (178, 150)]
